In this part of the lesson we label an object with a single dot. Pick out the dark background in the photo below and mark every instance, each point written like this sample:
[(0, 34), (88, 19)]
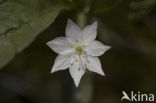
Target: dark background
[(130, 65)]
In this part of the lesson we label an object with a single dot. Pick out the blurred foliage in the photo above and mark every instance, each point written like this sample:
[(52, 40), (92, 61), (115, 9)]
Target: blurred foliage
[(141, 8), (130, 65), (101, 6), (130, 35)]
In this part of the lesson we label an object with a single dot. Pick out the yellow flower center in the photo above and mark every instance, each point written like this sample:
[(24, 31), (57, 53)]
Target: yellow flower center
[(79, 49)]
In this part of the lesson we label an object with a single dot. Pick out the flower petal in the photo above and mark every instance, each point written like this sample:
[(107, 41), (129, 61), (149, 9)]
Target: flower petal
[(89, 33), (67, 52), (73, 31), (93, 64), (62, 62), (96, 48), (83, 59), (77, 71), (60, 44)]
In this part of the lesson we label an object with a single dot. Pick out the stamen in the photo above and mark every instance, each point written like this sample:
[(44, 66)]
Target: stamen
[(71, 64), (71, 46), (82, 65), (85, 52), (79, 49), (87, 59), (76, 60)]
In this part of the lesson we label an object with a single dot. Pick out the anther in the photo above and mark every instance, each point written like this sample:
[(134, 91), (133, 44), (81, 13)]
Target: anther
[(85, 52), (76, 60), (71, 46)]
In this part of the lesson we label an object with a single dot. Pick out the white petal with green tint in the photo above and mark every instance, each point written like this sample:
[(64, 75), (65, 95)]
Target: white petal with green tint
[(93, 64), (96, 48), (77, 70), (60, 44), (61, 63), (89, 33), (73, 31)]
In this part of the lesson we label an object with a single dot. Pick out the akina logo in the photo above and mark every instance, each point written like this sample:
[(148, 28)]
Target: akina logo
[(138, 97)]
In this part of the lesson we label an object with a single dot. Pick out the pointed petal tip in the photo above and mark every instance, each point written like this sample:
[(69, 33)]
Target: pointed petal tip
[(52, 71), (103, 74), (76, 84), (69, 21), (109, 47), (47, 43), (95, 22)]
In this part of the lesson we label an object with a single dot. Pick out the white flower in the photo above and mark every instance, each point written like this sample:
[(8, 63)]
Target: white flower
[(78, 50)]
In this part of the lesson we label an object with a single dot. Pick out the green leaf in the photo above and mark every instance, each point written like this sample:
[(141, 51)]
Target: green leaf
[(100, 6), (21, 21)]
